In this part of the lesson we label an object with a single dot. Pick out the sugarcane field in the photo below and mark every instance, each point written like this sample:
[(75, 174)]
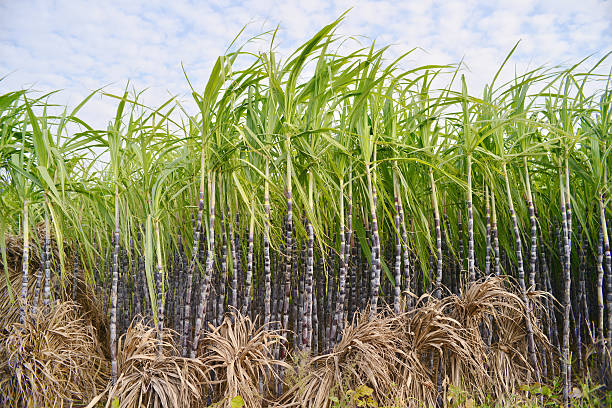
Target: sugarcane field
[(317, 227)]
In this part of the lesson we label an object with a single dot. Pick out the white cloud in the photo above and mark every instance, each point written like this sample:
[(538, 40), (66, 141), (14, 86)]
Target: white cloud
[(79, 45)]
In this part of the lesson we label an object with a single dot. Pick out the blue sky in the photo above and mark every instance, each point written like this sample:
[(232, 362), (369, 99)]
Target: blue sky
[(78, 46)]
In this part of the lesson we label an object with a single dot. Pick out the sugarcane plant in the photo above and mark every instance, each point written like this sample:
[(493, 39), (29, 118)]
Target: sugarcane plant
[(308, 191)]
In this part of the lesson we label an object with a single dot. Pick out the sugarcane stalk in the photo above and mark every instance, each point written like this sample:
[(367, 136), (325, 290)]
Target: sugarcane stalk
[(191, 268), (205, 288), (600, 296), (548, 287), (298, 309), (461, 279), (123, 301), (160, 288), (349, 224), (339, 317), (47, 284), (521, 274), (223, 277), (375, 274), (568, 205), (266, 240), (137, 288), (235, 270), (246, 304), (307, 331), (180, 300), (608, 258), (120, 297), (363, 274), (288, 260), (581, 294), (355, 281), (608, 274), (495, 236), (471, 267), (143, 281), (534, 228), (315, 311), (398, 251), (329, 314), (320, 342), (39, 276), (565, 362), (434, 202), (332, 299), (583, 288), (547, 320), (115, 280), (488, 248), (288, 242), (406, 255), (25, 256), (277, 284)]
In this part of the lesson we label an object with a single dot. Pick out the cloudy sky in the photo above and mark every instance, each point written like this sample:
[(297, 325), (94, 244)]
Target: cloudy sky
[(78, 46)]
